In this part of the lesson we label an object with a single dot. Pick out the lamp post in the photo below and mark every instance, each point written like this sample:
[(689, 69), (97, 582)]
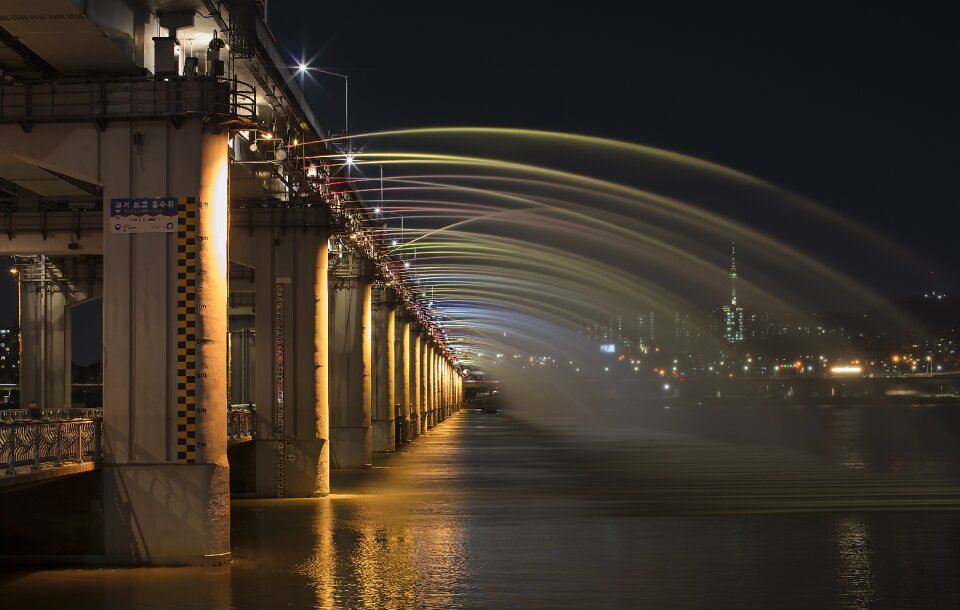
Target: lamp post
[(302, 69)]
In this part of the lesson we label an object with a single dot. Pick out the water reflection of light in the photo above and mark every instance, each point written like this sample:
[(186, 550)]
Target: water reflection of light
[(855, 575), (399, 547), (321, 566), (848, 439)]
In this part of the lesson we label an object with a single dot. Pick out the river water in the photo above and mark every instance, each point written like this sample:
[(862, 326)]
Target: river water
[(807, 507)]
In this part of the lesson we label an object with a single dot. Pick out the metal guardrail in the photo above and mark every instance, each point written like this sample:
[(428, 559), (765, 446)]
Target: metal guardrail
[(55, 437), (8, 416), (114, 99), (38, 443)]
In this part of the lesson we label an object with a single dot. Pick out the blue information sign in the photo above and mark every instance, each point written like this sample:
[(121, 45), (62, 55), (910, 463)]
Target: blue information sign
[(143, 215)]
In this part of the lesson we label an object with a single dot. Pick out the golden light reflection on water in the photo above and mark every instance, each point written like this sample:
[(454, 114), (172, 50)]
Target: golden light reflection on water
[(320, 567), (399, 547), (848, 438), (855, 575)]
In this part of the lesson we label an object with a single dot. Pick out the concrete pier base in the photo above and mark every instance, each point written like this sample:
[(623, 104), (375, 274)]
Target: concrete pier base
[(351, 447), (384, 435), (167, 514)]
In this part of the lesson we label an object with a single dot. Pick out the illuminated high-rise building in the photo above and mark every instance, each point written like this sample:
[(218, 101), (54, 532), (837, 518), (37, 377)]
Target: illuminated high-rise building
[(646, 321), (733, 318)]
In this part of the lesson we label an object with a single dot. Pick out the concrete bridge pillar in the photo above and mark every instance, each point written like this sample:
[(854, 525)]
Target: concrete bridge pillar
[(290, 262), (416, 390), (441, 386), (435, 363), (458, 391), (425, 397), (445, 367), (451, 402), (384, 369), (441, 403), (351, 435), (433, 385), (48, 290), (402, 370), (165, 474), (44, 357)]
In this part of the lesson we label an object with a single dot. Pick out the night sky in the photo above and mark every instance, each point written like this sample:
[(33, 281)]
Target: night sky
[(852, 107)]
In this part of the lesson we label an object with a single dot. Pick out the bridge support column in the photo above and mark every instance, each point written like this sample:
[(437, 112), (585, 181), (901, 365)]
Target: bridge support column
[(428, 401), (424, 368), (351, 436), (432, 361), (402, 368), (44, 357), (441, 399), (445, 387), (49, 287), (450, 399), (165, 473), (290, 261), (416, 406), (457, 391), (384, 365)]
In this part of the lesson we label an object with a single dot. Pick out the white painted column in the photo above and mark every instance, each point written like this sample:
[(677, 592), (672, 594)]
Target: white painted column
[(402, 370), (44, 364), (351, 437), (416, 391), (166, 480), (383, 416), (292, 323), (427, 385)]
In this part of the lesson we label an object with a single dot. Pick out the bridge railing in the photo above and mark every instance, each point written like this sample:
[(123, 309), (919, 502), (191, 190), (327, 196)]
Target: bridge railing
[(106, 99), (18, 415), (39, 443)]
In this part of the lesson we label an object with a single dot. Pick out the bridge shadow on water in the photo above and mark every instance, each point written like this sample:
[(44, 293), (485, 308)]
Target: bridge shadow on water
[(487, 511)]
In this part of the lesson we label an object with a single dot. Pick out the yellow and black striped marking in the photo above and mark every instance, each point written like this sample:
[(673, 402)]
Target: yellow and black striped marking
[(187, 330)]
